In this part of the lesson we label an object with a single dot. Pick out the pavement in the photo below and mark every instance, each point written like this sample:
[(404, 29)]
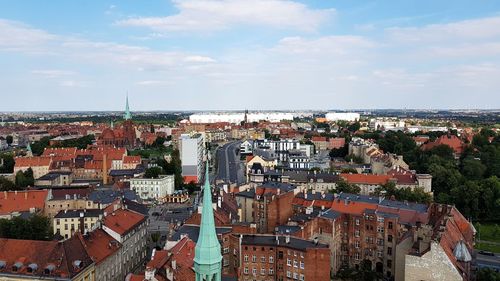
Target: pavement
[(230, 167), (492, 262)]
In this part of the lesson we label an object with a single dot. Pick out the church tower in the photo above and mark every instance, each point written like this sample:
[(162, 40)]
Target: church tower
[(128, 128), (208, 258)]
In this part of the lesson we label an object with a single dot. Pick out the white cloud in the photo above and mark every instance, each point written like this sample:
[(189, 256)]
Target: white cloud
[(74, 84), (15, 36), (52, 73), (461, 31), (210, 15), (201, 59)]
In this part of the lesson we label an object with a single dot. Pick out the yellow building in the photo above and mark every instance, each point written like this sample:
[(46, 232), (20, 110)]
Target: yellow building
[(67, 222)]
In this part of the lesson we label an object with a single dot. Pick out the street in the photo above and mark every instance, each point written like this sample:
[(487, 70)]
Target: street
[(230, 167), (488, 261)]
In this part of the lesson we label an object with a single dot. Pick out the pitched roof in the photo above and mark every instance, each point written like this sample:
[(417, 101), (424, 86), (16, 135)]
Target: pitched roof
[(99, 245), (61, 257), (19, 201), (35, 161), (123, 221), (365, 178)]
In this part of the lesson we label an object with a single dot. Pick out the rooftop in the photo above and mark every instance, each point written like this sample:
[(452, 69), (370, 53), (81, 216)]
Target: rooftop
[(279, 240)]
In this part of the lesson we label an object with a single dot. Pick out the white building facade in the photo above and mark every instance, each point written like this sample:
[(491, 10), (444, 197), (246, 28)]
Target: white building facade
[(342, 116), (156, 189), (237, 118), (192, 151)]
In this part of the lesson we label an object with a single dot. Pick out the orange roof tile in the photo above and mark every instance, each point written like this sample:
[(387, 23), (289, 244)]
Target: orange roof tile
[(365, 178), (19, 201), (122, 221), (99, 245), (35, 161)]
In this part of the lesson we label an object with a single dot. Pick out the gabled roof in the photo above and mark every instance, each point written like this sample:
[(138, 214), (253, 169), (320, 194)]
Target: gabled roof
[(365, 178), (99, 245), (19, 201), (35, 161), (123, 221)]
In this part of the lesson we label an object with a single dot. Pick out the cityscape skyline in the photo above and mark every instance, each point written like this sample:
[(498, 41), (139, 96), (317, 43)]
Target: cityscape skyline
[(216, 55)]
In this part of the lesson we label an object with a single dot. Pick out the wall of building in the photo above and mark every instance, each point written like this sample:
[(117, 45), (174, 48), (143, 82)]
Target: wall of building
[(431, 266)]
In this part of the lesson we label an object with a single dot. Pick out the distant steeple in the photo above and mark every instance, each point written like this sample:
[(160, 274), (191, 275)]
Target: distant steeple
[(29, 152), (112, 124), (127, 115), (207, 257)]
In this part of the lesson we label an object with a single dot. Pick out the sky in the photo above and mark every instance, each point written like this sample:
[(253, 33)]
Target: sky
[(61, 55)]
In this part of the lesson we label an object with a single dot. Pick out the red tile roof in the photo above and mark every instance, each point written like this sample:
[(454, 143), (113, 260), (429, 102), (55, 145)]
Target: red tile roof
[(33, 161), (132, 159), (452, 141), (60, 255), (99, 245), (18, 201), (122, 221), (365, 178)]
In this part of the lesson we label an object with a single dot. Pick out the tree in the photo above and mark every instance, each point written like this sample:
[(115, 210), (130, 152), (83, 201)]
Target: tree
[(473, 169), (487, 274), (153, 172), (8, 163), (6, 185), (25, 179), (35, 228), (39, 146), (345, 187), (191, 187), (9, 140), (339, 152)]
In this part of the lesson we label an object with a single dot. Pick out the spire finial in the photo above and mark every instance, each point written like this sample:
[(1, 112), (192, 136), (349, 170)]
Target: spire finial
[(127, 115), (208, 257)]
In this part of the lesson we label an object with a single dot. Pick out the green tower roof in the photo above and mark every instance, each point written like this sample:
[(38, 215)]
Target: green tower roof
[(207, 251), (127, 115)]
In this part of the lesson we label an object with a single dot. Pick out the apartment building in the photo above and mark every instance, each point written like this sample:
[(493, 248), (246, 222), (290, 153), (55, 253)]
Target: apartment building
[(192, 152), (274, 257), (153, 189), (67, 222)]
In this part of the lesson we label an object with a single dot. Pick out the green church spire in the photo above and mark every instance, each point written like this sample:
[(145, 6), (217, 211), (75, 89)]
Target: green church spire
[(207, 259), (127, 115), (29, 152)]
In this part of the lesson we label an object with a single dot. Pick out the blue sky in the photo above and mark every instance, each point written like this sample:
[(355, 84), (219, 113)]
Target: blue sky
[(255, 54)]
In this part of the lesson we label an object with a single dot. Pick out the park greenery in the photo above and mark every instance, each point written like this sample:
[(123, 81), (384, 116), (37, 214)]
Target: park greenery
[(37, 227)]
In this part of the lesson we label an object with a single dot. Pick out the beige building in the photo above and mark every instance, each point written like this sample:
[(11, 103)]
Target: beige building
[(39, 164), (67, 222), (266, 164)]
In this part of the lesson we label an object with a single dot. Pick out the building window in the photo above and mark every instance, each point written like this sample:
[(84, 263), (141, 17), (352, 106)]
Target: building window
[(295, 275), (271, 271), (356, 233), (389, 225), (271, 259), (380, 229), (254, 271), (389, 263), (357, 221), (389, 251), (226, 250), (262, 271), (380, 242), (380, 254), (301, 265), (254, 258), (245, 258), (295, 264), (301, 277), (389, 238), (263, 259), (280, 255), (357, 256), (289, 262), (288, 274), (356, 244), (380, 219)]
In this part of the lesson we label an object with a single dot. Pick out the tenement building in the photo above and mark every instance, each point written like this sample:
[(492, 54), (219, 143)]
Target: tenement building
[(272, 257)]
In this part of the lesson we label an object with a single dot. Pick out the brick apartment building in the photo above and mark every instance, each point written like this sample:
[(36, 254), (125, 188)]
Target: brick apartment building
[(271, 257), (267, 205)]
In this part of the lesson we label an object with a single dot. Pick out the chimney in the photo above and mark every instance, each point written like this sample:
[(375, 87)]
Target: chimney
[(174, 265), (26, 195)]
